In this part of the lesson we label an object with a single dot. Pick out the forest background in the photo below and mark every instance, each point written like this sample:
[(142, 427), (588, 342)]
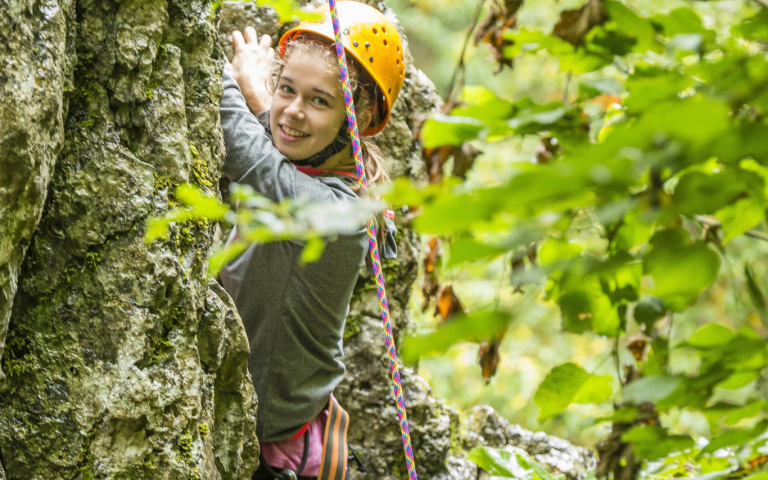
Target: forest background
[(536, 342), (655, 271)]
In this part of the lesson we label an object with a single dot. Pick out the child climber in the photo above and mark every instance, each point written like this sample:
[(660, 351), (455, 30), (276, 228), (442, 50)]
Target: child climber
[(300, 147)]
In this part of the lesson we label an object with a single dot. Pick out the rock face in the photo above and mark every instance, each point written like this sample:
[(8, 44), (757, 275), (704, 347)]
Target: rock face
[(35, 70), (123, 360)]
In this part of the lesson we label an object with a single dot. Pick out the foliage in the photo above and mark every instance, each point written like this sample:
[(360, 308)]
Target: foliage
[(260, 220), (510, 463), (648, 170), (287, 10)]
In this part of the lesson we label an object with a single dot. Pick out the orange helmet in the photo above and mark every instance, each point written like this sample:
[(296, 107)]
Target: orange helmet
[(372, 39)]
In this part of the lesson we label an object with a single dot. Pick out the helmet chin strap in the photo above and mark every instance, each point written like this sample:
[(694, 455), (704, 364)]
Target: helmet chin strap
[(338, 144)]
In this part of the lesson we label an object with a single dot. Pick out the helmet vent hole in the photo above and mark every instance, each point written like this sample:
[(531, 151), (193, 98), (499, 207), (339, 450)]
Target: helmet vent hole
[(398, 61), (346, 31), (384, 29), (389, 90), (375, 32), (355, 43), (386, 43), (370, 59), (367, 44)]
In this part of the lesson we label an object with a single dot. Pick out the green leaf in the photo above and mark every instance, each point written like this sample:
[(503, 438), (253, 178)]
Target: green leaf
[(739, 436), (494, 461), (569, 383), (739, 217), (711, 335), (650, 389), (629, 23), (650, 86), (756, 293), (756, 476), (702, 193), (652, 441), (473, 327), (673, 120), (599, 86), (464, 249), (442, 129), (533, 41), (588, 308), (483, 104), (290, 11), (511, 462), (753, 28), (679, 21), (204, 206), (313, 249), (749, 410), (648, 310), (680, 272), (225, 255)]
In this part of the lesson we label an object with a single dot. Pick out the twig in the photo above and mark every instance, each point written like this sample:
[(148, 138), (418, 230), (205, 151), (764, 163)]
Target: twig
[(713, 222), (460, 63), (565, 89)]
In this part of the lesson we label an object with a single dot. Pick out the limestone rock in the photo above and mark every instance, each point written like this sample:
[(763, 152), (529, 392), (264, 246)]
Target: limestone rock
[(123, 359), (35, 72)]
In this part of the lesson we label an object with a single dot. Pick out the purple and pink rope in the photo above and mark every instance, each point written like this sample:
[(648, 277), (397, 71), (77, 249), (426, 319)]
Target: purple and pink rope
[(374, 248)]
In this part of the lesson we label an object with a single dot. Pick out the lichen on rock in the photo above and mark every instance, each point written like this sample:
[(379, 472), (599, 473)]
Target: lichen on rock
[(124, 359)]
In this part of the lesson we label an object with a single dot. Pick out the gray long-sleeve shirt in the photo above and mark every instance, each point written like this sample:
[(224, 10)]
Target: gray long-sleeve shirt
[(294, 315)]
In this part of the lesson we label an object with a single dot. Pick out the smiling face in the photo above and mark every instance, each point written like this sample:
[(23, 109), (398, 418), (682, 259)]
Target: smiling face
[(308, 107)]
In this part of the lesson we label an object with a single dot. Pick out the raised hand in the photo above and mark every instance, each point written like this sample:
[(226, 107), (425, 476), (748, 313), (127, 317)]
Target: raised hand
[(252, 67)]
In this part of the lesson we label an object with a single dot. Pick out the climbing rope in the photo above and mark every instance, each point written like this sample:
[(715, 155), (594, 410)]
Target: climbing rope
[(374, 247)]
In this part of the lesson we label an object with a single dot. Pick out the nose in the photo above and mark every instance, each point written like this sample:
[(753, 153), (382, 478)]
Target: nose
[(295, 109)]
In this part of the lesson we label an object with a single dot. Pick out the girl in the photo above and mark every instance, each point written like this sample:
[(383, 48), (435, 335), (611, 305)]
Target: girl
[(294, 315)]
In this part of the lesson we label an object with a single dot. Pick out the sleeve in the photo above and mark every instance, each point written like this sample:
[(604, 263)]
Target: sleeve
[(252, 159)]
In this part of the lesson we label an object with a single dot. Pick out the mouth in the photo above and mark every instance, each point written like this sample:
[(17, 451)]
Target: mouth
[(292, 132)]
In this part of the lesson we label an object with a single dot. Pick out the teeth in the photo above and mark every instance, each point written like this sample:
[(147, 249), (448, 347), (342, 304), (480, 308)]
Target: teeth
[(293, 132)]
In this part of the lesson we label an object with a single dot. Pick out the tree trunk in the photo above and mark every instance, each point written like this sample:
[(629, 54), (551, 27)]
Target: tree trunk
[(123, 360)]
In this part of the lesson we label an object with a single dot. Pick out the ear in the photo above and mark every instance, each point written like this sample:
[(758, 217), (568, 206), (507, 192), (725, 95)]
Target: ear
[(364, 119)]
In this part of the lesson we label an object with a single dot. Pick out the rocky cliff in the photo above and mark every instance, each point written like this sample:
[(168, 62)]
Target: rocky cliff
[(122, 359)]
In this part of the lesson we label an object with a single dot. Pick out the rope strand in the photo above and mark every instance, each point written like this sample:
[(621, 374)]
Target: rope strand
[(373, 246)]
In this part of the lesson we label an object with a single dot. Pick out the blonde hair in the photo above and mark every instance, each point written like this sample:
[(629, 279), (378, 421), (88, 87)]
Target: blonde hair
[(362, 84)]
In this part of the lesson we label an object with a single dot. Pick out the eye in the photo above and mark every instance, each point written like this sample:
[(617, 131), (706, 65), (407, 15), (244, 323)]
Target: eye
[(287, 89), (321, 101)]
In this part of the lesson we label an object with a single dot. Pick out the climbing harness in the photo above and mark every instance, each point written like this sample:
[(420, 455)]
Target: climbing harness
[(373, 244)]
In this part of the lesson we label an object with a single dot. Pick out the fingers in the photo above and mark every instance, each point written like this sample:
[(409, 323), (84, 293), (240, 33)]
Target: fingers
[(237, 40), (250, 35), (266, 42)]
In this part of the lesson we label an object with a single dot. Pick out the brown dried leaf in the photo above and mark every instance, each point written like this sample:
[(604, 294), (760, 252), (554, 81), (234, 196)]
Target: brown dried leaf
[(574, 24), (431, 281), (548, 148), (502, 16), (637, 347), (488, 356), (448, 303)]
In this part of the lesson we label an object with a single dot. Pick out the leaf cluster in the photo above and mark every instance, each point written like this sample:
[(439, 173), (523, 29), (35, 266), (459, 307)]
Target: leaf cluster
[(646, 175)]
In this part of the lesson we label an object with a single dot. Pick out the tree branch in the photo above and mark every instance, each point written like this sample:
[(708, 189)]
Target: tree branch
[(713, 222)]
